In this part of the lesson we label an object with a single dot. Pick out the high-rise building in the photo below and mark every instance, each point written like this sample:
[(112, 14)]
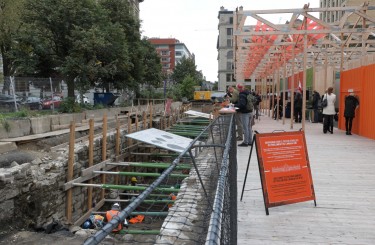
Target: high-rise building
[(335, 16), (171, 52), (225, 49), (135, 7)]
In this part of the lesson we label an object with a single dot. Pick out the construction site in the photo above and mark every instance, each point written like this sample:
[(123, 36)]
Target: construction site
[(174, 175)]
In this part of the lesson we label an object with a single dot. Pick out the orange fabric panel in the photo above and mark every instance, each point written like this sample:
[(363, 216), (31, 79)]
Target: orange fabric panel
[(360, 80)]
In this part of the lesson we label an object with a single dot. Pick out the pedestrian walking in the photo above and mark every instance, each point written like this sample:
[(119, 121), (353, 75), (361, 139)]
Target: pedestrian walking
[(351, 104), (329, 111), (315, 106)]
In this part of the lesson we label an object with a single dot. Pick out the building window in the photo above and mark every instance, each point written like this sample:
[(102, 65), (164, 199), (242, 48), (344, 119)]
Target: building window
[(164, 52), (230, 20), (229, 77), (165, 59), (230, 31), (229, 65), (166, 66), (230, 54), (229, 43), (178, 53)]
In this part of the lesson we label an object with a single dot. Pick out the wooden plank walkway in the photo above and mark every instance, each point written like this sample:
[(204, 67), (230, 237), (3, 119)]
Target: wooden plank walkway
[(343, 171)]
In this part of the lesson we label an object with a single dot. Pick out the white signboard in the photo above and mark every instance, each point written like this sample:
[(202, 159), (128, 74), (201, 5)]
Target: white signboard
[(162, 139), (199, 114)]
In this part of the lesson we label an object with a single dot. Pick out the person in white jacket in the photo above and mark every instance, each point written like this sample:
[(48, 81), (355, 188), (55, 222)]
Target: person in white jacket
[(329, 111)]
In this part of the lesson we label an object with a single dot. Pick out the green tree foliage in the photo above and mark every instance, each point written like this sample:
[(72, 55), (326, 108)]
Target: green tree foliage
[(183, 89), (151, 65), (119, 12), (186, 67), (9, 25)]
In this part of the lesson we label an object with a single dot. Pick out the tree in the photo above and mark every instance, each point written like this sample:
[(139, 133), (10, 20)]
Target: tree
[(120, 12), (48, 35), (186, 67), (9, 25), (152, 68)]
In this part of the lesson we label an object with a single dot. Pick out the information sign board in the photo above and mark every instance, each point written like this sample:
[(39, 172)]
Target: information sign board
[(284, 168)]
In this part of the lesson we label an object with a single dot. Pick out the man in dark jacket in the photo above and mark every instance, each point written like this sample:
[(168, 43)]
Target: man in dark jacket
[(315, 106), (298, 107), (245, 115), (351, 104)]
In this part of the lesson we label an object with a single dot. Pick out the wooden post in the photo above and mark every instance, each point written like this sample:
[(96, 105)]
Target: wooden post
[(144, 119), (304, 77), (69, 194), (91, 161), (151, 110), (278, 98), (117, 147), (104, 151), (292, 91), (284, 85), (130, 142)]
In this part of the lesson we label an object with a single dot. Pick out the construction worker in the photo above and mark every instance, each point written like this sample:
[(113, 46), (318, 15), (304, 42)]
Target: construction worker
[(115, 210)]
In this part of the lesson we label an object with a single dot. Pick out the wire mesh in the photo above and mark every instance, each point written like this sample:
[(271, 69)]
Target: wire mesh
[(186, 220)]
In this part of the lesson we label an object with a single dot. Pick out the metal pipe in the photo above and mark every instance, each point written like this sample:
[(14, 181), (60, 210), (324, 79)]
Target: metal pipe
[(140, 174), (125, 187)]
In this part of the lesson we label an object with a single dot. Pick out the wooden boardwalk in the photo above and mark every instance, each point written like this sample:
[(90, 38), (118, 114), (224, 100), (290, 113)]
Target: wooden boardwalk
[(343, 172)]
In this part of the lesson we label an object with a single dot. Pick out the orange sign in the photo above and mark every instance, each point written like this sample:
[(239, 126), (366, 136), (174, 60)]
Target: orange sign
[(284, 168)]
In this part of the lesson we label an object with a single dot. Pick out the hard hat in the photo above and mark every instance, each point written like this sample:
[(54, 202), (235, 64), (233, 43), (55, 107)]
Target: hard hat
[(133, 179), (86, 225), (116, 206)]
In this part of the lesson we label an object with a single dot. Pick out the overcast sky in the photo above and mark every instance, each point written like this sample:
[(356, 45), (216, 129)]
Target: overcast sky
[(195, 23)]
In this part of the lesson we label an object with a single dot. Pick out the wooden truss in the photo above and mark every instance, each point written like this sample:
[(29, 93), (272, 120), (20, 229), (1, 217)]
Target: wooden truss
[(261, 49), (268, 50)]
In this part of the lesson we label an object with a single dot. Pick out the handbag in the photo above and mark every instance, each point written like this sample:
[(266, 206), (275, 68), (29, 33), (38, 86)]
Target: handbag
[(324, 101)]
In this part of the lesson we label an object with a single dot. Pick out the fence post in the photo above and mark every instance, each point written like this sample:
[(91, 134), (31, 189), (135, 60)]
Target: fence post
[(52, 97), (14, 92)]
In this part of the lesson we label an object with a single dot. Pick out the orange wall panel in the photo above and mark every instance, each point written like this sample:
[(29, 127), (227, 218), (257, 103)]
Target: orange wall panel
[(361, 81)]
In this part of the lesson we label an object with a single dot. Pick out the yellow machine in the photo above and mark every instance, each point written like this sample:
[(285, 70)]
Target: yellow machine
[(202, 95)]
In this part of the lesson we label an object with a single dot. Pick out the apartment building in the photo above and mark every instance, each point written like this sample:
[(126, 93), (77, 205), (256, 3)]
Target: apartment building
[(335, 16), (171, 52), (225, 49)]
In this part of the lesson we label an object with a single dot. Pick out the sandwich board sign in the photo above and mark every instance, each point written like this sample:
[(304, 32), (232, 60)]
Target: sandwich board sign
[(284, 168)]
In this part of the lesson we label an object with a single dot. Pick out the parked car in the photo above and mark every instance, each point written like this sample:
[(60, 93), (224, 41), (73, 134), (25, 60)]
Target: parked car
[(33, 103), (7, 102), (50, 103)]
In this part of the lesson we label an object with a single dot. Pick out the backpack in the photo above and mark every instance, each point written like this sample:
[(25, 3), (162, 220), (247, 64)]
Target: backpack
[(251, 100)]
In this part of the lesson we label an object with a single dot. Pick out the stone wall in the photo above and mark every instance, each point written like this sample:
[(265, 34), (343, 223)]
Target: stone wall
[(32, 195)]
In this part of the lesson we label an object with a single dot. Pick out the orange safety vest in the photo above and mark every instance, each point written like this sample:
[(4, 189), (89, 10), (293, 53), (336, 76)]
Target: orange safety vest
[(109, 215), (173, 198)]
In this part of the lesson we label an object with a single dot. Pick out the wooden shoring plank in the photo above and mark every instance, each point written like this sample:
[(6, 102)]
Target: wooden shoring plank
[(69, 194), (84, 217), (117, 146), (98, 166), (91, 161), (89, 174), (104, 151)]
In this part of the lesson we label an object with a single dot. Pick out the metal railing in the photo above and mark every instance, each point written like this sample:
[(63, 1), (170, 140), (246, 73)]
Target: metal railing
[(214, 189)]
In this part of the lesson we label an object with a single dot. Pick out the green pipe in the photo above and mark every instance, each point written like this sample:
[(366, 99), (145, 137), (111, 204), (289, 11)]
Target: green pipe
[(141, 174), (135, 188), (140, 232), (158, 201), (158, 214), (151, 165)]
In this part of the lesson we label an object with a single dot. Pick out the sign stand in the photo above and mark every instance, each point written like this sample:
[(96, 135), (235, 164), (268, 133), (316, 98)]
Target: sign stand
[(284, 168)]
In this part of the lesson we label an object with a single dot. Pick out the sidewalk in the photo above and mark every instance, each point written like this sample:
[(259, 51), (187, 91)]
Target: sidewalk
[(343, 172)]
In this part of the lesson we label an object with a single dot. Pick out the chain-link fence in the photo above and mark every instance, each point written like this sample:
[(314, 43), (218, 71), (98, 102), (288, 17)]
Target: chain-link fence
[(31, 93), (205, 210)]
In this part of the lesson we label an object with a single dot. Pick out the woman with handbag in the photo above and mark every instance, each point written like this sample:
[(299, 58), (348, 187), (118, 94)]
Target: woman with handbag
[(329, 110)]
